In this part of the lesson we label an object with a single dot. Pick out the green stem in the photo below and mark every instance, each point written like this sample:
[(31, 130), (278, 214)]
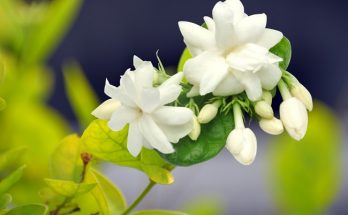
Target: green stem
[(140, 198), (284, 91), (238, 115)]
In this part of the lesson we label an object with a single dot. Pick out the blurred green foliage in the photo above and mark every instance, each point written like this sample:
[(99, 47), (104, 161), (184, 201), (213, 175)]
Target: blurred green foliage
[(306, 175)]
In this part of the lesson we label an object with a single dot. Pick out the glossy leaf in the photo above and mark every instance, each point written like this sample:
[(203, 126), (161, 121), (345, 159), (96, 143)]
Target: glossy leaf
[(9, 181), (210, 142), (69, 188), (5, 199), (306, 174), (157, 212), (66, 163), (108, 196), (56, 21), (80, 93), (283, 50), (111, 146), (32, 209)]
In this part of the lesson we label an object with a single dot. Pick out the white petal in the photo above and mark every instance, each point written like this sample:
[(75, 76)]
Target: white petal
[(169, 94), (144, 75), (229, 86), (250, 28), (137, 62), (118, 93), (251, 83), (127, 83), (104, 111), (269, 76), (122, 116), (175, 132), (172, 115), (109, 89), (270, 38), (154, 135), (210, 23), (135, 139), (206, 70), (238, 9), (193, 92), (197, 38), (149, 99), (225, 34), (175, 79)]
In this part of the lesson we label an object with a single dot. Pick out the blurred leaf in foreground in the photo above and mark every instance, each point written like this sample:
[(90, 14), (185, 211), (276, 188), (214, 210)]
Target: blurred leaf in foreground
[(69, 188), (157, 212), (10, 180), (32, 209), (306, 174)]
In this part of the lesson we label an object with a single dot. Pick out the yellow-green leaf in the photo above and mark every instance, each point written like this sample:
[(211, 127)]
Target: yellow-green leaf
[(111, 146), (32, 209), (108, 196), (306, 174), (80, 93), (69, 188), (5, 199), (11, 157), (157, 212), (66, 163), (55, 22), (10, 180)]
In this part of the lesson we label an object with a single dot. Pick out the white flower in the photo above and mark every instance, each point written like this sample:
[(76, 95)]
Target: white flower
[(272, 126), (242, 144), (142, 106), (208, 112), (301, 92), (264, 109), (232, 55), (294, 116)]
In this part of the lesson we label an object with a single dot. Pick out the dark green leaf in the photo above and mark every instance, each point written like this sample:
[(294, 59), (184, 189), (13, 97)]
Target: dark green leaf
[(283, 50), (211, 141)]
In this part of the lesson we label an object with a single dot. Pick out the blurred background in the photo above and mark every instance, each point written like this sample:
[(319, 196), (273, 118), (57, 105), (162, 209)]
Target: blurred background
[(287, 177)]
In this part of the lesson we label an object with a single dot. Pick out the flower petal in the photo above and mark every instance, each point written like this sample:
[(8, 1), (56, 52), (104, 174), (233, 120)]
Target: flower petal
[(210, 23), (118, 93), (250, 28), (149, 99), (238, 9), (175, 79), (135, 139), (229, 86), (172, 115), (251, 83), (154, 135), (193, 92), (137, 62), (104, 111), (196, 38), (144, 75), (270, 38), (122, 116), (269, 76), (127, 83), (169, 93), (175, 132)]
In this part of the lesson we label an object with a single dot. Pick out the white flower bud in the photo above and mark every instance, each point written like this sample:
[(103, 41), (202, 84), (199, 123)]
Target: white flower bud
[(294, 116), (301, 92), (242, 144), (208, 112), (264, 109), (196, 130), (267, 97), (272, 126)]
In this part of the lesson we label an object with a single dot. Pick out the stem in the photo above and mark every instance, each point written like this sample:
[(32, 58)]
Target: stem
[(284, 91), (140, 198), (238, 115)]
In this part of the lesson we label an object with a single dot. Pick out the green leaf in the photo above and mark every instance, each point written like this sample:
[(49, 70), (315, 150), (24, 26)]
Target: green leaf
[(306, 175), (111, 146), (2, 104), (66, 162), (108, 196), (210, 142), (69, 188), (157, 212), (283, 50), (184, 57), (205, 206), (55, 23), (10, 180), (32, 209), (11, 157), (5, 200), (80, 93)]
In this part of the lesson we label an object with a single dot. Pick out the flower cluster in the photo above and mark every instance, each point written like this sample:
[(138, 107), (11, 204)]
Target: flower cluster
[(231, 64)]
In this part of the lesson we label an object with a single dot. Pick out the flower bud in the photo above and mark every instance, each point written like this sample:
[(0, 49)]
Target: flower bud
[(301, 92), (242, 144), (208, 112), (264, 109), (272, 126), (267, 97), (196, 130), (294, 116)]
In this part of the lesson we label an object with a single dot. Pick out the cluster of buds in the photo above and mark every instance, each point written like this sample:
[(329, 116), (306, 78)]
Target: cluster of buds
[(242, 142)]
